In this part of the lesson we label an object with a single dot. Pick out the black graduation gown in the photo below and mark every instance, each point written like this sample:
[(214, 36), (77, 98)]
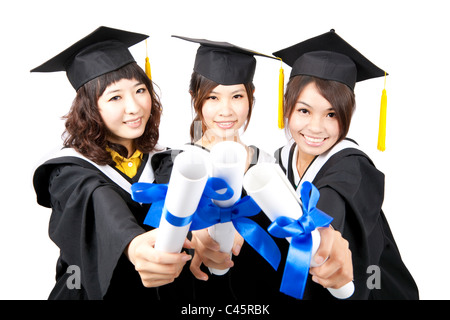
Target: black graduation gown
[(93, 219), (352, 192)]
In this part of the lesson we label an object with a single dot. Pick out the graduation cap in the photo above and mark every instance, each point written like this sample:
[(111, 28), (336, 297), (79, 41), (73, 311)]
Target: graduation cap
[(102, 51), (330, 57), (223, 62)]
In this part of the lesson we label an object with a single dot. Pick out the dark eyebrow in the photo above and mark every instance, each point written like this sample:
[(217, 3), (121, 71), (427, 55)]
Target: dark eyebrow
[(301, 102), (137, 84)]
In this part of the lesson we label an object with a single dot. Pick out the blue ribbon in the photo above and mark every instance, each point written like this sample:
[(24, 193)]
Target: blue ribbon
[(299, 255), (208, 214), (144, 192)]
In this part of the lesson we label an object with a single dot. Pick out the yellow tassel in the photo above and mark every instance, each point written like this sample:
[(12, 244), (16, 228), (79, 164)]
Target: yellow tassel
[(382, 128), (147, 63), (281, 97)]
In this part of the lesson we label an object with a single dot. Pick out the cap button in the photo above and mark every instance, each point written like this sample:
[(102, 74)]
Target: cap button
[(332, 30)]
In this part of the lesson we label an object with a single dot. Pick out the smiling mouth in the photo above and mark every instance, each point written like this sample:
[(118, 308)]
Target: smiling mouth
[(133, 123), (225, 125), (313, 141)]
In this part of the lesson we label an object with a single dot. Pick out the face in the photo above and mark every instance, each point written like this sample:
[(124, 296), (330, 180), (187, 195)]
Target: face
[(125, 107), (225, 111), (313, 123)]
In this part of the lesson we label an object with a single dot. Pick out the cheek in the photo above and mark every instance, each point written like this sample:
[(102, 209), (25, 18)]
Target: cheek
[(295, 124), (242, 111), (333, 130), (207, 113)]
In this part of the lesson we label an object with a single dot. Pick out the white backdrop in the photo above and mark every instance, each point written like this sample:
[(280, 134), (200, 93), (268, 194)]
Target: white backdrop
[(407, 38)]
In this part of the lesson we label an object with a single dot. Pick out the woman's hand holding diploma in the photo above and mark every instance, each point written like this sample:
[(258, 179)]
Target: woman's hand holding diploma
[(207, 252), (155, 267)]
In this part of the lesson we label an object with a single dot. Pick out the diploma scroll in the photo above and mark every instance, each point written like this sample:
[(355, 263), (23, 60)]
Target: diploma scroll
[(228, 161), (187, 182), (270, 189)]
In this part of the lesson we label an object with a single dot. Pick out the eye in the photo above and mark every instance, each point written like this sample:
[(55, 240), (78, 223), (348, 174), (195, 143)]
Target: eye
[(141, 90), (331, 115), (115, 98), (238, 96), (212, 98), (303, 111)]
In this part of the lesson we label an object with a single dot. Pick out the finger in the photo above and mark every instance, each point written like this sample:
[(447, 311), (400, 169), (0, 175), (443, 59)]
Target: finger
[(195, 268), (205, 239), (187, 244), (336, 281), (237, 245), (326, 244), (167, 258), (150, 282)]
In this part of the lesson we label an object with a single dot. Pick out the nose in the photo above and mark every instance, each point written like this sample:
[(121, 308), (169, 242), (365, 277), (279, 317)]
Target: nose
[(315, 124), (225, 108), (131, 105)]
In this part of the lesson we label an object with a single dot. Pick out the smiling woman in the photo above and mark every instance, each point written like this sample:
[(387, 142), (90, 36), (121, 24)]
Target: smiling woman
[(111, 136), (125, 108), (124, 95), (319, 114), (224, 112), (324, 72)]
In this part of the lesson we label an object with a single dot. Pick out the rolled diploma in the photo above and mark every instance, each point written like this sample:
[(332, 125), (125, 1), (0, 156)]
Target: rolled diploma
[(187, 182), (228, 160), (269, 187)]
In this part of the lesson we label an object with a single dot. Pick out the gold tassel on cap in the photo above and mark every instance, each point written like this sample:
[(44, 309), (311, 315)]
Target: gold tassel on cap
[(281, 97), (382, 128), (147, 63)]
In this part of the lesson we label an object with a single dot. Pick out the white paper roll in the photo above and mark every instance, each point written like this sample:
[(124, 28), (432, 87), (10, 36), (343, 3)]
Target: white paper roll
[(267, 184), (228, 161), (186, 185)]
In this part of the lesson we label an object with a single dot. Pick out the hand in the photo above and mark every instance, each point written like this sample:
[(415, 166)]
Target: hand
[(207, 251), (156, 268), (337, 270)]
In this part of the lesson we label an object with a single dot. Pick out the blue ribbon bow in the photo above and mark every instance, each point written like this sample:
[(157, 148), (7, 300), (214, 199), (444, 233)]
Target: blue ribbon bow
[(208, 214), (299, 255), (154, 193)]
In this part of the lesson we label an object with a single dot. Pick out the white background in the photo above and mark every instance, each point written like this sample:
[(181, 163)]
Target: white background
[(407, 38)]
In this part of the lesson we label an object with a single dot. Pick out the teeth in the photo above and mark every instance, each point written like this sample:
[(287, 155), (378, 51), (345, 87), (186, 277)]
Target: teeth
[(314, 140), (132, 122)]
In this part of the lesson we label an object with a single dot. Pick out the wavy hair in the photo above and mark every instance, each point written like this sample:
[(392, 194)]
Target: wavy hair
[(86, 131)]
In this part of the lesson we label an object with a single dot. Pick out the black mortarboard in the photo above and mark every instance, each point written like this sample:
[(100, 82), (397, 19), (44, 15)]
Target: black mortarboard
[(102, 51), (224, 62), (329, 57)]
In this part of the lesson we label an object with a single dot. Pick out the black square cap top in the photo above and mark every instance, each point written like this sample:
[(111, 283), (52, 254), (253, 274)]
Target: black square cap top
[(223, 62), (102, 51), (329, 57)]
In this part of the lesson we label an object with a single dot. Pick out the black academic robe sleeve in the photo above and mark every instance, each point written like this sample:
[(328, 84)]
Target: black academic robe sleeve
[(91, 223), (352, 191)]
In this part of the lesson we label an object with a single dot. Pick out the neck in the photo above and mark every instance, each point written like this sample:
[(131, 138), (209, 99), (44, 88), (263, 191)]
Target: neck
[(208, 141), (303, 162)]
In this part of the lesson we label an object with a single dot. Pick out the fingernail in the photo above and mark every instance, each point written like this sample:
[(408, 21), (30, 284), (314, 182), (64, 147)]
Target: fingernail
[(186, 257), (319, 259)]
